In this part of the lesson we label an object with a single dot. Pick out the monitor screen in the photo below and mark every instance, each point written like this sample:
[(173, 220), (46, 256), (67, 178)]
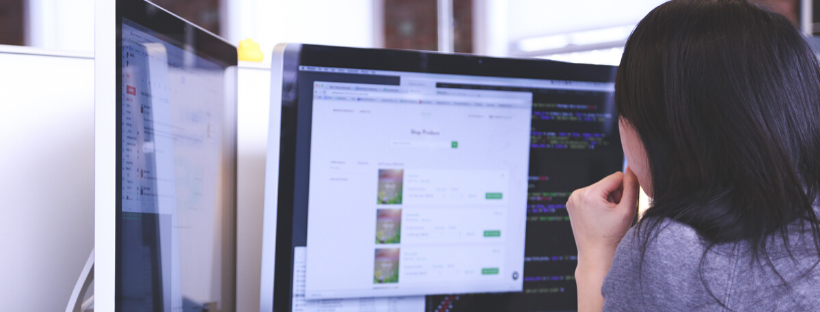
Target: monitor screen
[(422, 188), (175, 243)]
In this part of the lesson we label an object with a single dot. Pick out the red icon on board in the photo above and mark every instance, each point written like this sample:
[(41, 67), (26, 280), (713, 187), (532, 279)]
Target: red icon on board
[(131, 90)]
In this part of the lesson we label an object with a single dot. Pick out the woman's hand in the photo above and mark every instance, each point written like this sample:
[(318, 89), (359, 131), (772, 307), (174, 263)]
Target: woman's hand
[(600, 215)]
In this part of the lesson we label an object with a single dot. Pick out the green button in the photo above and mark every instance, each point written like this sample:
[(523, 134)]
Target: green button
[(489, 271), (492, 233), (492, 196), (454, 144)]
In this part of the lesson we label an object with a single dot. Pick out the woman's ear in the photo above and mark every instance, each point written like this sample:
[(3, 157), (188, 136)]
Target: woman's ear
[(635, 154)]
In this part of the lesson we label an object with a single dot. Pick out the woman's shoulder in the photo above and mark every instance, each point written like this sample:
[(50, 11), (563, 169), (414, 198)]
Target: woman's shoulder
[(669, 266), (659, 242), (656, 267)]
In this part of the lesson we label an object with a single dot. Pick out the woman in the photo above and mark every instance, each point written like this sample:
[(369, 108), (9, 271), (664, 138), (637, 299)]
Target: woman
[(720, 123)]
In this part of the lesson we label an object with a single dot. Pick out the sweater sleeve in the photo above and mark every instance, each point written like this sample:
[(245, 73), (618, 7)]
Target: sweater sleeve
[(668, 278), (620, 288)]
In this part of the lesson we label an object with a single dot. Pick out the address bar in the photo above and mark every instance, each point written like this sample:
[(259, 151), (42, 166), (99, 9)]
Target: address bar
[(436, 94)]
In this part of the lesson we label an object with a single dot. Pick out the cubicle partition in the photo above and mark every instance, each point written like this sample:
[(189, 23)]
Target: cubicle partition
[(47, 167)]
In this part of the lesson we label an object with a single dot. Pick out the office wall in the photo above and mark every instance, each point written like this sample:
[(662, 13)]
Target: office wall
[(254, 113), (60, 25), (329, 22)]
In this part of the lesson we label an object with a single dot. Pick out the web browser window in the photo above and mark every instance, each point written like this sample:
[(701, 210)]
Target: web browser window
[(416, 190)]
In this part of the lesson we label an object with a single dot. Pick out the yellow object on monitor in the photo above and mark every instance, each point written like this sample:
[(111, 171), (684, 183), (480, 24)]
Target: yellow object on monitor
[(249, 51)]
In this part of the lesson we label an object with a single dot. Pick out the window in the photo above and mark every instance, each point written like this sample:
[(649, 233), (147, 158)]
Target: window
[(11, 22), (413, 24)]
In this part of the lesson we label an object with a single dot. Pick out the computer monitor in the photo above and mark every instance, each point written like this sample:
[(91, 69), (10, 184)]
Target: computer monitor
[(165, 162), (417, 181)]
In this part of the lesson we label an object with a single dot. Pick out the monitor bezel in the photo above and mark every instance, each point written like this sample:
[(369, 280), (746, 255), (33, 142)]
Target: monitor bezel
[(284, 81), (109, 17)]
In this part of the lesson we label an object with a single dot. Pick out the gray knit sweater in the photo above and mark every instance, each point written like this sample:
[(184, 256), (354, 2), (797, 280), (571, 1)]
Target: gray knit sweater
[(672, 279)]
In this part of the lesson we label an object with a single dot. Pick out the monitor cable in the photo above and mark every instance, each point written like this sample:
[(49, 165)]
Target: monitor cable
[(75, 302)]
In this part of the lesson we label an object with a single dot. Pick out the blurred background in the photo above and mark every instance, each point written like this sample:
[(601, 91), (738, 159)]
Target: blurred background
[(589, 31), (47, 103)]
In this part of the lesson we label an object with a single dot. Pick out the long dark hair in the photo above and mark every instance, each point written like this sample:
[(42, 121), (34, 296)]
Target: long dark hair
[(725, 96)]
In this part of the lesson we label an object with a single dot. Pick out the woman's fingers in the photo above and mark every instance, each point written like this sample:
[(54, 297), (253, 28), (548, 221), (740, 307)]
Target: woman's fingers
[(609, 189), (631, 190), (615, 197)]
